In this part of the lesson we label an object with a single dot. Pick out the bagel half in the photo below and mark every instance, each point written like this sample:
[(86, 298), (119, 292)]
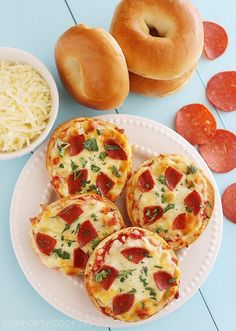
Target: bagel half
[(92, 67), (158, 88), (161, 39)]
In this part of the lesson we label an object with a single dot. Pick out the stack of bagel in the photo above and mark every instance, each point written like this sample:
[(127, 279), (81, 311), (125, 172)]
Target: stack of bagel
[(152, 49), (162, 41)]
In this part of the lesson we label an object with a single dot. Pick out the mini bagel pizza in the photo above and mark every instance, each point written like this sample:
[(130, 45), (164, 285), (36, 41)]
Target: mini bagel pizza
[(67, 231), (161, 39), (132, 275), (87, 154), (171, 196)]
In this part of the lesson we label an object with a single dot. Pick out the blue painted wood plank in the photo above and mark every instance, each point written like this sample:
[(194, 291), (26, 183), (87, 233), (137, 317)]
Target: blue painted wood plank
[(220, 12), (33, 26)]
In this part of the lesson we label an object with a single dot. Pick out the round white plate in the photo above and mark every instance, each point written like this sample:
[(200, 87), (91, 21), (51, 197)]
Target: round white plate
[(67, 293)]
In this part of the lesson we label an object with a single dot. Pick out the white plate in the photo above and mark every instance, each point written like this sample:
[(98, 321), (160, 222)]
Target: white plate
[(67, 293)]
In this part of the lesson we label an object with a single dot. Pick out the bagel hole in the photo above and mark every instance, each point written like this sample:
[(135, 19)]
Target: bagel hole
[(154, 32)]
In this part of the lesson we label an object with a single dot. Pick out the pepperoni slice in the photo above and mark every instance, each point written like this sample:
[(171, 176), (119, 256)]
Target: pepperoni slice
[(221, 90), (145, 181), (74, 185), (215, 40), (151, 214), (70, 213), (228, 203), (135, 254), (193, 201), (163, 280), (45, 243), (195, 123), (172, 177), (220, 152), (86, 233), (112, 273), (76, 144), (179, 222), (122, 303), (104, 183), (114, 150), (80, 258)]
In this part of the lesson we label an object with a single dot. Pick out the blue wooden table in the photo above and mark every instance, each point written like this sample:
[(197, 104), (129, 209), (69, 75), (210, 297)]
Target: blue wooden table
[(35, 26)]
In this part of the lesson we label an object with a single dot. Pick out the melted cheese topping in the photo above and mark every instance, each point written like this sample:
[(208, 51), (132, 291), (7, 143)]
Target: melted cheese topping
[(25, 104), (171, 201), (103, 215), (140, 279), (101, 131)]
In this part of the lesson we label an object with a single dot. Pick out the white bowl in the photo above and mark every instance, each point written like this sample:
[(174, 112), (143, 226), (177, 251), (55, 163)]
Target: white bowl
[(18, 55)]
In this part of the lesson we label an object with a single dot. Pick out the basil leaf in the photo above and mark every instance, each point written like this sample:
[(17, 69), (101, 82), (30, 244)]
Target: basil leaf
[(162, 179), (62, 254), (94, 168), (91, 145), (102, 275), (111, 147), (102, 156), (115, 171), (168, 207), (83, 162)]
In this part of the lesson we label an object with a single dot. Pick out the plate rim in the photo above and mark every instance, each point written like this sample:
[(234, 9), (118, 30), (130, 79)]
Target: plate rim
[(203, 277)]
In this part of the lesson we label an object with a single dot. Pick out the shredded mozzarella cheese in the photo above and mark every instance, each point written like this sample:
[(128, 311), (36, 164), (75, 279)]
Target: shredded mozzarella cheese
[(25, 104)]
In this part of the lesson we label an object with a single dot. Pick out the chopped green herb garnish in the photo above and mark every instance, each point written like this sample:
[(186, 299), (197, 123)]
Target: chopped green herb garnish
[(99, 132), (121, 289), (91, 145), (94, 168), (143, 305), (62, 146), (93, 187), (111, 147), (74, 167), (168, 207), (124, 274), (188, 210), (162, 179), (61, 165), (152, 292), (102, 156), (191, 169), (83, 162), (158, 266), (102, 275), (132, 291), (94, 217), (157, 194), (62, 254), (172, 280), (67, 226), (143, 280), (77, 227), (95, 242), (163, 198), (190, 185), (209, 204), (145, 270), (115, 171), (160, 229), (163, 189)]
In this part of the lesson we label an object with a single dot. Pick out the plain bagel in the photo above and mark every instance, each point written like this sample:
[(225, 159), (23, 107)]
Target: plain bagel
[(158, 88), (92, 67), (161, 39)]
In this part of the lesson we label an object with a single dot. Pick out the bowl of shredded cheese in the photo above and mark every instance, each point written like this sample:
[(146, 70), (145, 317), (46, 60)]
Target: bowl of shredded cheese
[(29, 102)]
